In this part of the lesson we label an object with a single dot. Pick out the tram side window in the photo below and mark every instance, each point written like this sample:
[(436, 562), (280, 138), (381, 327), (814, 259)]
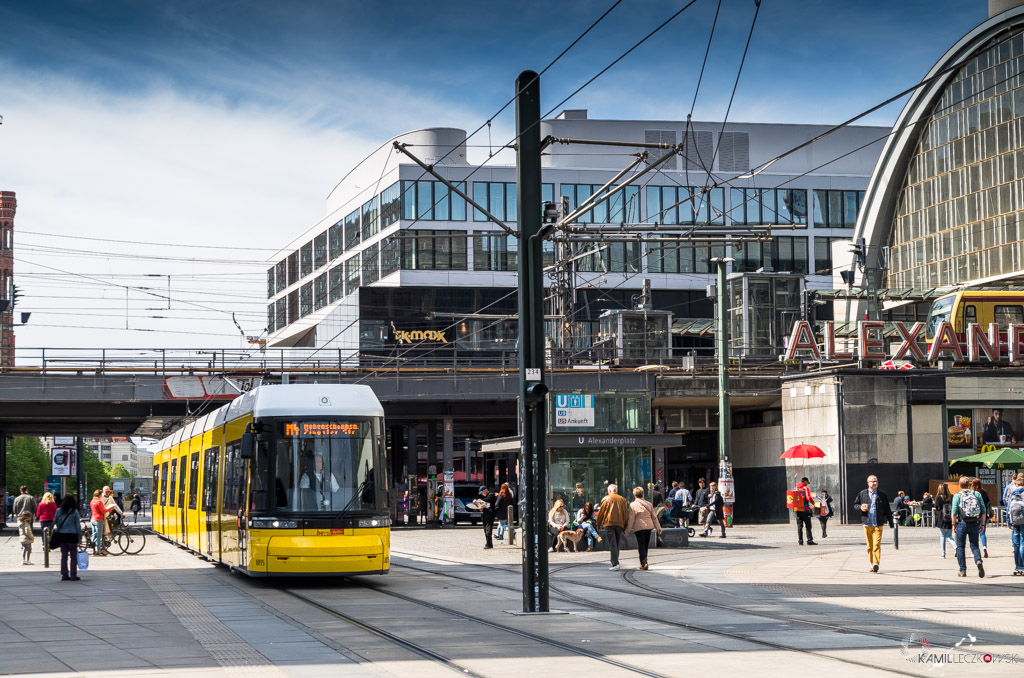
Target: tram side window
[(157, 485), (193, 482), (174, 482), (163, 484), (210, 479), (234, 476), (970, 314), (1007, 315), (181, 485)]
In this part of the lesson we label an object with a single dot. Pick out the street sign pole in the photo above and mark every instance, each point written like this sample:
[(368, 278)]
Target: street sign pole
[(532, 401)]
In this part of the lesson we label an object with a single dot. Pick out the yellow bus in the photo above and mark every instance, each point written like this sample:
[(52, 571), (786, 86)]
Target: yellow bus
[(284, 480)]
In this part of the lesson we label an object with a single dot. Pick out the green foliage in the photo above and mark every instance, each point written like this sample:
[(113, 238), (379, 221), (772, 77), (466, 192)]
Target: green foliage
[(119, 471), (97, 473), (28, 463)]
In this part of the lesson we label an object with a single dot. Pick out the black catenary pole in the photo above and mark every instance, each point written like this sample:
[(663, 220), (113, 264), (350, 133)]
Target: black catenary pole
[(532, 403)]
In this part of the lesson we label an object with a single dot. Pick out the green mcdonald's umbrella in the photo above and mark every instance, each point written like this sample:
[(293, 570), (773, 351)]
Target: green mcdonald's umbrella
[(1004, 455)]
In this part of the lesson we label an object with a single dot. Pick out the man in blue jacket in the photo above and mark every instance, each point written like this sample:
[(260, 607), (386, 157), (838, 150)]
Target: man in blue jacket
[(875, 513)]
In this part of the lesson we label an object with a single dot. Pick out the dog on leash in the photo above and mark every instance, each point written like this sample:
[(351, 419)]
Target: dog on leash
[(567, 536)]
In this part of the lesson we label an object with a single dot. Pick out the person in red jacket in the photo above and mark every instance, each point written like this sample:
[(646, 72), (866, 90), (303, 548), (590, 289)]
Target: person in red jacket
[(99, 513), (46, 510), (803, 513)]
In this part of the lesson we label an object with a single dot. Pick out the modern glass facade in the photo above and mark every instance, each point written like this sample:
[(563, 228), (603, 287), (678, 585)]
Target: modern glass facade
[(957, 215)]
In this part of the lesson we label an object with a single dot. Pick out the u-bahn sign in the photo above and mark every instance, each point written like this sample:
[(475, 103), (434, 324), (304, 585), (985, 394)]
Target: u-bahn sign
[(991, 344)]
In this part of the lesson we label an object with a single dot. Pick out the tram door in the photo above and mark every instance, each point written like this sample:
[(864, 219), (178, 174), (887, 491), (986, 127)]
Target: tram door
[(192, 539), (170, 526), (211, 457), (182, 514)]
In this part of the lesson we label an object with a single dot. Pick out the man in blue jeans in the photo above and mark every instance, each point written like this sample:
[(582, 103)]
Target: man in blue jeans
[(968, 509)]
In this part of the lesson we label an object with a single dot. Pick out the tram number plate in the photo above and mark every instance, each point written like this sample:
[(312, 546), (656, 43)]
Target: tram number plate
[(328, 533)]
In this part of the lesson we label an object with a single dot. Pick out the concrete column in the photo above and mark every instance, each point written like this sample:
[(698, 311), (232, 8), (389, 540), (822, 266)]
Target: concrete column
[(431, 443)]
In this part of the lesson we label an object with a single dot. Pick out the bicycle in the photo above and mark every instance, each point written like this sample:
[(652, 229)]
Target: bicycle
[(129, 540)]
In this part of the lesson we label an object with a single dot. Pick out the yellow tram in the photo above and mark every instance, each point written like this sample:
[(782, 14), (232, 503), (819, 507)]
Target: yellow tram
[(284, 480)]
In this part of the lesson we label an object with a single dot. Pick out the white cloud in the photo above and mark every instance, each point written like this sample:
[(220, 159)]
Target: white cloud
[(165, 167)]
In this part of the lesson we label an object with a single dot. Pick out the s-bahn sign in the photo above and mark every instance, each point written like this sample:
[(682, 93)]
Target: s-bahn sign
[(991, 344)]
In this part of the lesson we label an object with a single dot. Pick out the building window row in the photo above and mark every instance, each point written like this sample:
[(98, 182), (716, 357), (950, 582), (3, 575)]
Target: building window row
[(670, 205)]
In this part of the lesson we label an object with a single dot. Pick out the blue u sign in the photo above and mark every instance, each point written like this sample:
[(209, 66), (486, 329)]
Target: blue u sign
[(574, 400)]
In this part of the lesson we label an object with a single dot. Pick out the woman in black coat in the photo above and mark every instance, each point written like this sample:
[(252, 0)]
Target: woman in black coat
[(825, 512), (67, 532)]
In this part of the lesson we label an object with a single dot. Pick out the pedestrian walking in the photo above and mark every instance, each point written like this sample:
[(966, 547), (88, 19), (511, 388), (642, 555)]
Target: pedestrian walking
[(46, 510), (24, 502), (641, 521), (985, 516), (558, 522), (825, 512), (944, 518), (67, 532), (803, 512), (968, 511), (486, 501), (1015, 521), (716, 511), (504, 500), (136, 506), (25, 532), (875, 513), (700, 500), (612, 517), (681, 502)]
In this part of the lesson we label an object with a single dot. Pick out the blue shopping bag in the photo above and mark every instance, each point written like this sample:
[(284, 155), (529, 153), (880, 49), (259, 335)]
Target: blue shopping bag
[(83, 560)]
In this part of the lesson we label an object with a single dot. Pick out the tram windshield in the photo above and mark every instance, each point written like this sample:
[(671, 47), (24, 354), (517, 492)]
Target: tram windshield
[(939, 313), (320, 466)]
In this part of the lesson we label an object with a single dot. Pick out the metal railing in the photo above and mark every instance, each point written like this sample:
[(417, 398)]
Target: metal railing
[(185, 361)]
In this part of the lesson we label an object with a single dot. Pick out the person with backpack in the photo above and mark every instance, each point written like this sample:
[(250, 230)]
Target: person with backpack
[(944, 517), (986, 515), (1015, 521), (875, 513), (968, 513)]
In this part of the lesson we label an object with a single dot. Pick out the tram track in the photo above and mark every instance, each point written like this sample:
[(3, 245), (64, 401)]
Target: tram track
[(629, 577), (441, 658)]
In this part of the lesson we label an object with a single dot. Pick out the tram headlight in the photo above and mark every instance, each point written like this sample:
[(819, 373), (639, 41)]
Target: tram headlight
[(272, 523), (380, 521)]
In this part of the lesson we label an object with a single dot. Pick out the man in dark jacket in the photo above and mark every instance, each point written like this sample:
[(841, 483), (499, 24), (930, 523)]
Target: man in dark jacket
[(486, 502), (875, 513), (700, 500)]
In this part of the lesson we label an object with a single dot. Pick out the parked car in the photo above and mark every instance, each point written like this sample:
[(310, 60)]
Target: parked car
[(465, 494)]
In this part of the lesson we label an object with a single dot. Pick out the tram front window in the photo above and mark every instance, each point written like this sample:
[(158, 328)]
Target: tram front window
[(323, 466)]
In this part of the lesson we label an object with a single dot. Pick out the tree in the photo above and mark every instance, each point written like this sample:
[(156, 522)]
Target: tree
[(97, 473), (119, 471), (28, 463)]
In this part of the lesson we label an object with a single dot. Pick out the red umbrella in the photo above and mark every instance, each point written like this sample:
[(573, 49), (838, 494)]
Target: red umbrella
[(802, 452)]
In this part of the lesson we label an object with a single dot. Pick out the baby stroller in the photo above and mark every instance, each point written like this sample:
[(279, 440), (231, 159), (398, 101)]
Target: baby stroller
[(683, 513)]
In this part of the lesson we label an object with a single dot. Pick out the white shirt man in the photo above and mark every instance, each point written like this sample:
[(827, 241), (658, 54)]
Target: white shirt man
[(317, 474)]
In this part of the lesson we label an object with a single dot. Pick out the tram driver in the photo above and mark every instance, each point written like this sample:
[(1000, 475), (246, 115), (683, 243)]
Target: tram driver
[(314, 484)]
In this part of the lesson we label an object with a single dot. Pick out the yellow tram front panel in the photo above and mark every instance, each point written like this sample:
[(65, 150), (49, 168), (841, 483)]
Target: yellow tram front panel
[(298, 552)]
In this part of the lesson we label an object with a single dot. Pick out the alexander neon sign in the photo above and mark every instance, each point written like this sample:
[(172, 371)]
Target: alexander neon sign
[(983, 344)]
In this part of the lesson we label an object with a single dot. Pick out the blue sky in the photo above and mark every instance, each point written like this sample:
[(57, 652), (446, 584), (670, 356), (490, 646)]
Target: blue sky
[(224, 124)]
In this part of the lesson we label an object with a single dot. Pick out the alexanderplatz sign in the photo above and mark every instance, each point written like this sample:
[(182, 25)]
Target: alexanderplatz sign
[(982, 344)]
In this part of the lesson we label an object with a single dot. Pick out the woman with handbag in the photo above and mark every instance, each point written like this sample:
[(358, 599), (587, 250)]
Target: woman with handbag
[(67, 531)]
